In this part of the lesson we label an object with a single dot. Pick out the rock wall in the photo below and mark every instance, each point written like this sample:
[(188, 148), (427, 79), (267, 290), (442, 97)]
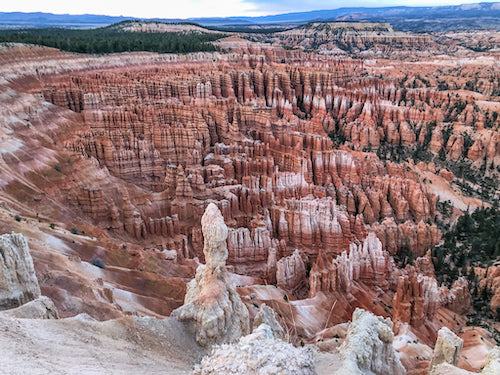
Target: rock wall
[(365, 263), (351, 36), (417, 298), (291, 274)]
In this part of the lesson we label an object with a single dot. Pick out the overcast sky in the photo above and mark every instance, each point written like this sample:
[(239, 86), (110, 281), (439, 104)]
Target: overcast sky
[(201, 8)]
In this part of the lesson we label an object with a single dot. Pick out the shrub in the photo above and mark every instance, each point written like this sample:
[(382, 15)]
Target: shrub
[(74, 230), (17, 217), (98, 262)]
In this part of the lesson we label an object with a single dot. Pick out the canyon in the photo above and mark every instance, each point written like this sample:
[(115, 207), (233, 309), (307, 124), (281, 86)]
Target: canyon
[(308, 183)]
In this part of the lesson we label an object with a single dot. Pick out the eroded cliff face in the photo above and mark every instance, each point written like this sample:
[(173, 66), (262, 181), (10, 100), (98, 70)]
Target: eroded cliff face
[(349, 37), (365, 263), (492, 281), (20, 294)]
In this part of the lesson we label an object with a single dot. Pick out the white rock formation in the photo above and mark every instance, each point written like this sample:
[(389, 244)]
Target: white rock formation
[(291, 272), (40, 308), (214, 235), (211, 300), (447, 349), (18, 282), (266, 315), (260, 353), (447, 369), (368, 348), (493, 365)]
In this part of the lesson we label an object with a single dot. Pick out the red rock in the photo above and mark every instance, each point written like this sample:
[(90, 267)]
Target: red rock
[(416, 298), (458, 298), (492, 280), (476, 150), (447, 175), (365, 263)]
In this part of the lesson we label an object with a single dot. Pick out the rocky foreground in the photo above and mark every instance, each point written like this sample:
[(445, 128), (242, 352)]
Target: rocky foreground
[(316, 178), (36, 341)]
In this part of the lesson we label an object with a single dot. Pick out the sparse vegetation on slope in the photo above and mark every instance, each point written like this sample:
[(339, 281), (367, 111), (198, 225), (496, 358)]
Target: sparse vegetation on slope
[(474, 239)]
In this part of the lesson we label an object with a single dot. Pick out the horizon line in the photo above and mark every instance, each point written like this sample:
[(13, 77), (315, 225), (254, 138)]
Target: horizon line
[(266, 15)]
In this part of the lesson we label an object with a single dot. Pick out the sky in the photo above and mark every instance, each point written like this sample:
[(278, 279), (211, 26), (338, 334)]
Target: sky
[(202, 8)]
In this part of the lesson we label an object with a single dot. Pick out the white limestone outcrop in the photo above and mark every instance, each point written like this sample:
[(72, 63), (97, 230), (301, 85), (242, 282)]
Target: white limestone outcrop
[(368, 348), (18, 282), (447, 349), (211, 302), (493, 364), (40, 308), (266, 315), (260, 353)]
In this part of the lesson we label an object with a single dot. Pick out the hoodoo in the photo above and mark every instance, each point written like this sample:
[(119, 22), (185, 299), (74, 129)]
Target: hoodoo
[(212, 303)]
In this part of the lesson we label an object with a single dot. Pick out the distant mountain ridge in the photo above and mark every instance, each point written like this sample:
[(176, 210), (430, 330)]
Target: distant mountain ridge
[(439, 18)]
